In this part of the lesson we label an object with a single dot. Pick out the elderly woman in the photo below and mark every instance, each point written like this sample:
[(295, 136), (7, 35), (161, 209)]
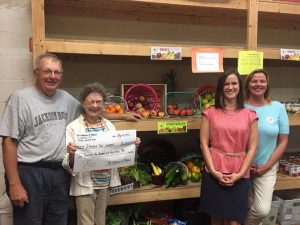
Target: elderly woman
[(90, 188)]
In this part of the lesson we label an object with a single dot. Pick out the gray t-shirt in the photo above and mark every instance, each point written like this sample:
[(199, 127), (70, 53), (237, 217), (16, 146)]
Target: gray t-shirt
[(38, 123)]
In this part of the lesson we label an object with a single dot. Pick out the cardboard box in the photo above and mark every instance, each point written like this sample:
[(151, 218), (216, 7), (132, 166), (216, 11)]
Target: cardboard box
[(160, 89), (289, 210), (6, 216), (273, 214)]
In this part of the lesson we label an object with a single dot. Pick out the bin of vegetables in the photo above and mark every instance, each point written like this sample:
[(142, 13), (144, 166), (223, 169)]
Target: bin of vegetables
[(176, 173), (138, 173)]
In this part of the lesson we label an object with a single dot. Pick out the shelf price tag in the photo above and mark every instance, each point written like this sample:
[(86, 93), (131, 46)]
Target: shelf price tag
[(172, 127), (166, 53), (249, 61)]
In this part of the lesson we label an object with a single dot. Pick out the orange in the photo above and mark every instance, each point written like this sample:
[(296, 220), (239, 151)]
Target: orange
[(112, 110), (121, 111), (117, 107), (110, 106)]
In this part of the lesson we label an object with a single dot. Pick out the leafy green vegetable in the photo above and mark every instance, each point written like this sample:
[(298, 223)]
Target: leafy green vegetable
[(115, 217)]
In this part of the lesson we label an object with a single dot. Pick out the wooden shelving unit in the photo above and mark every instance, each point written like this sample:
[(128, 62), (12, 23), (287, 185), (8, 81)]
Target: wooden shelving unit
[(192, 190), (232, 12), (248, 15)]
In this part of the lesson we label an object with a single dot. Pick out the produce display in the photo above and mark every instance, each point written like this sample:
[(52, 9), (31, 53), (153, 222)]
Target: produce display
[(174, 110), (183, 104), (207, 94), (176, 174), (138, 174), (143, 99), (115, 108), (207, 100), (194, 166)]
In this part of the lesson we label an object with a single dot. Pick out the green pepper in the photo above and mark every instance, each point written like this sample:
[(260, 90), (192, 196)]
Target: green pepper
[(195, 177)]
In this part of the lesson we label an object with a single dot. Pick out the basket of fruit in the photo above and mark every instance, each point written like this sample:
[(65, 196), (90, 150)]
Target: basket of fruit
[(183, 104), (115, 104), (207, 94), (140, 97), (176, 173)]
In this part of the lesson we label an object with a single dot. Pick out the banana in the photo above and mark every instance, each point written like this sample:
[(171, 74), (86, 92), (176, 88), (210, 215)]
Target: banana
[(159, 170), (155, 170)]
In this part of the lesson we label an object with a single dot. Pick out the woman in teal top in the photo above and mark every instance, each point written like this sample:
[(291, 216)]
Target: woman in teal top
[(273, 129)]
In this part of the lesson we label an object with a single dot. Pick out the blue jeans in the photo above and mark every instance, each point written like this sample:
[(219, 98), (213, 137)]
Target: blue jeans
[(47, 190)]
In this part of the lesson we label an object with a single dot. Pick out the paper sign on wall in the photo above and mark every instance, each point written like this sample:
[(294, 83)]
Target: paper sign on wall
[(207, 60), (104, 150), (249, 61), (290, 54), (166, 53)]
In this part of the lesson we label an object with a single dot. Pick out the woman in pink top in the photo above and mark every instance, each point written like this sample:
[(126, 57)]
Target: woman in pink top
[(228, 137)]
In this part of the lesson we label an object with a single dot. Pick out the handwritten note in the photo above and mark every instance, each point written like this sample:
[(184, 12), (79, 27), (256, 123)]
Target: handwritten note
[(104, 150)]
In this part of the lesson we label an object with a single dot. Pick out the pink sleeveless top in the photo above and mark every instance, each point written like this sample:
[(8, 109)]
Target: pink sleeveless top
[(228, 138)]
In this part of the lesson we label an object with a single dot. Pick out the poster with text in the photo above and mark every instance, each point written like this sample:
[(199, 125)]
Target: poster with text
[(249, 61), (207, 60), (104, 150)]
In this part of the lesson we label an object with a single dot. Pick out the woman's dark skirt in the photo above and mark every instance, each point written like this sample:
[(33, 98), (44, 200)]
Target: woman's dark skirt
[(228, 203)]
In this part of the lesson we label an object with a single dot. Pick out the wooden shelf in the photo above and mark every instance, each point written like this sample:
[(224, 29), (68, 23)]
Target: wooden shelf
[(136, 49), (156, 194), (128, 48), (192, 190), (151, 124), (286, 182), (217, 13), (193, 123)]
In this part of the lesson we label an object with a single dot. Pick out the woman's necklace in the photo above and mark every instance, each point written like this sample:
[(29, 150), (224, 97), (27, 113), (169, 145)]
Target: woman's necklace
[(94, 124), (231, 111)]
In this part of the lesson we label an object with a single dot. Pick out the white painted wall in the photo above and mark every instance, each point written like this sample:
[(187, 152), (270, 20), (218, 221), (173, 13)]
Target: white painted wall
[(15, 58)]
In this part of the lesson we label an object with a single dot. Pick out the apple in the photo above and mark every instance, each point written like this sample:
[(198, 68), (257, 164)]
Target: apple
[(171, 111), (138, 105), (176, 112), (161, 114), (140, 111), (182, 112), (141, 98), (145, 113), (172, 106), (153, 113), (130, 105), (189, 112)]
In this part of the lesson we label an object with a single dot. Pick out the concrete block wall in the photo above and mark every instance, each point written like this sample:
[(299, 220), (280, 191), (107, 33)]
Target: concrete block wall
[(15, 58)]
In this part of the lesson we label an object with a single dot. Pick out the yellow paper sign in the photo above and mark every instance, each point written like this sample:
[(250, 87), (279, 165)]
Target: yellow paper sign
[(249, 61), (172, 127)]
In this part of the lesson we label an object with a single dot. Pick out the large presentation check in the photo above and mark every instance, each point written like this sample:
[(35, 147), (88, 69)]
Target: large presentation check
[(104, 150)]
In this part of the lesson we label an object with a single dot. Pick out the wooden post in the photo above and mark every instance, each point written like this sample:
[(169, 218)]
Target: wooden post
[(252, 24), (38, 27)]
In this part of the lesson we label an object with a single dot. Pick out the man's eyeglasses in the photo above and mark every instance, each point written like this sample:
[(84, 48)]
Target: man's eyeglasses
[(48, 73)]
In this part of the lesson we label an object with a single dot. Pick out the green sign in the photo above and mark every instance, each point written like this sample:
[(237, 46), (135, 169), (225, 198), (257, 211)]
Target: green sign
[(172, 127)]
